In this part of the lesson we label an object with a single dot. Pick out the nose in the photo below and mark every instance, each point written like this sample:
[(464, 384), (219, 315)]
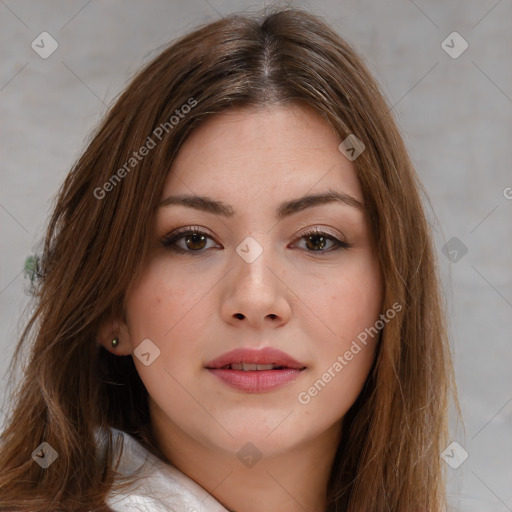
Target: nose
[(255, 293)]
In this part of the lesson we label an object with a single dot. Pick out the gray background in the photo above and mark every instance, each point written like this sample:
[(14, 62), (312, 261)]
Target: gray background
[(455, 115)]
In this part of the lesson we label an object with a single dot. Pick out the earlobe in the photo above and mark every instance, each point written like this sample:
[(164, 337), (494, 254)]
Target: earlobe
[(113, 334)]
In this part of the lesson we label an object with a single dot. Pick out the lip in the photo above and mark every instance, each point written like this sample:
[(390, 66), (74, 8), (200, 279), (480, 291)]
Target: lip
[(267, 355), (256, 381)]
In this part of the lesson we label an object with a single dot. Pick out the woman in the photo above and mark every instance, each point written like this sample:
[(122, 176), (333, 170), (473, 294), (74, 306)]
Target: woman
[(238, 282)]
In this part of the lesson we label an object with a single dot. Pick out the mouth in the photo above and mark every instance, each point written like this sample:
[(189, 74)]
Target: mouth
[(254, 367), (255, 371), (250, 360)]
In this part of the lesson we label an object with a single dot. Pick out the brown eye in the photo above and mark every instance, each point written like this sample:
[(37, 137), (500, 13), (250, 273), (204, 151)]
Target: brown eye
[(196, 240), (193, 241), (316, 241)]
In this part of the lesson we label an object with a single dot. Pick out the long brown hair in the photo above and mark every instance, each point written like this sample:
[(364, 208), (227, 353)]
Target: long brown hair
[(97, 242)]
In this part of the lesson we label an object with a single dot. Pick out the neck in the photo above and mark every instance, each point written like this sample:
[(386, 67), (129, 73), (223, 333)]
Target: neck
[(291, 481)]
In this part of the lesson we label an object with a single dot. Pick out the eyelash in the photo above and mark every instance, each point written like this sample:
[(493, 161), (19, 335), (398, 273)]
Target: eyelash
[(169, 240)]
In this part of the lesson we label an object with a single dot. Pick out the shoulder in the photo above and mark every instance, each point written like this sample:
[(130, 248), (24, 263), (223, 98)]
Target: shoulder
[(157, 486)]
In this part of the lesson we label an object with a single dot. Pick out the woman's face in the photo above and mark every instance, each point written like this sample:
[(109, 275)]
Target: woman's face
[(252, 280)]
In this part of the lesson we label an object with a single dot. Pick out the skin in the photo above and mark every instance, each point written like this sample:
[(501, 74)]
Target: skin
[(311, 305)]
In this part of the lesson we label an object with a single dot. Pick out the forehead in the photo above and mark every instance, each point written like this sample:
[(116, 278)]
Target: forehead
[(262, 153)]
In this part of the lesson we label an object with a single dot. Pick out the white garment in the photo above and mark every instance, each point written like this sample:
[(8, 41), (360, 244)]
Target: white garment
[(160, 487)]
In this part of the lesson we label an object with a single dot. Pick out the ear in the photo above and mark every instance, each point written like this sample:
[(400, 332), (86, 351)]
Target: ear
[(114, 327)]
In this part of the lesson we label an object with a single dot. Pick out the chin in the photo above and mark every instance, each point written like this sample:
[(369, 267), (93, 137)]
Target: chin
[(269, 432)]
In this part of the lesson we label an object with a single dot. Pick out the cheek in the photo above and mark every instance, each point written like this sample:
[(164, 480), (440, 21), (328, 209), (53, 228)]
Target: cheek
[(166, 307), (349, 301), (343, 365), (329, 396), (344, 355), (160, 301)]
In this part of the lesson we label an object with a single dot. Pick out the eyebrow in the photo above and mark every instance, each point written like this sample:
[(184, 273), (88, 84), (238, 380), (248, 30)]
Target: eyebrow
[(286, 209)]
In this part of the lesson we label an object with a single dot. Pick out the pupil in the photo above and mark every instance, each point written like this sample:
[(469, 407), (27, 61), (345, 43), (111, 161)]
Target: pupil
[(194, 238), (311, 237)]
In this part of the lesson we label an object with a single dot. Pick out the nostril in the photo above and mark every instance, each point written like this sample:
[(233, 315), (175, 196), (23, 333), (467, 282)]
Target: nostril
[(239, 315)]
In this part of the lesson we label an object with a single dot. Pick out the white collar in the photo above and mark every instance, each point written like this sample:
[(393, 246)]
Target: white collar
[(161, 487)]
